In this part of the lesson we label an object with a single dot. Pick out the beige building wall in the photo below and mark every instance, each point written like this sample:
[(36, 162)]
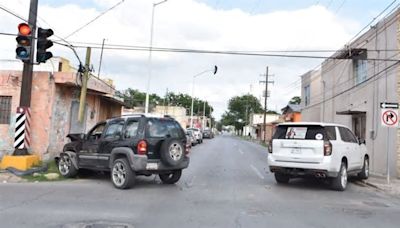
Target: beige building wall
[(312, 111)]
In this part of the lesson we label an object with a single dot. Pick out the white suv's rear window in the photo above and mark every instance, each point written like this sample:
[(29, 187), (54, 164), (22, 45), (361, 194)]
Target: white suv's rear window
[(308, 132), (296, 133)]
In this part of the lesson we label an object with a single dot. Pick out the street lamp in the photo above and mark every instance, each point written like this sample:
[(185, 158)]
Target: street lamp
[(214, 70), (146, 107)]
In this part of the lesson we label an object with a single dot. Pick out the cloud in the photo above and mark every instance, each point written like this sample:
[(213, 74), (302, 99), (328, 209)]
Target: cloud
[(195, 25)]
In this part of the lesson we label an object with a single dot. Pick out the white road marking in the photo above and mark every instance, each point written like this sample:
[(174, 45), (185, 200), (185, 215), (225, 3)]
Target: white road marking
[(257, 172), (241, 151)]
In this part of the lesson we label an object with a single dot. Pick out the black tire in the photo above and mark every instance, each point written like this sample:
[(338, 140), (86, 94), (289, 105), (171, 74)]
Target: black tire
[(172, 152), (364, 174), (282, 178), (339, 183), (171, 178), (122, 176), (66, 167)]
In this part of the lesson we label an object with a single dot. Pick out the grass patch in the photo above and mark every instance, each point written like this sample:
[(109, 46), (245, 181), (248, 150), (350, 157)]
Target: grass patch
[(52, 168)]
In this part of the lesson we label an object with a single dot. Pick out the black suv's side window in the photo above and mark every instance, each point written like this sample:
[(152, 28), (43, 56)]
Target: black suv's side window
[(131, 128), (96, 132), (114, 130), (157, 128), (174, 129)]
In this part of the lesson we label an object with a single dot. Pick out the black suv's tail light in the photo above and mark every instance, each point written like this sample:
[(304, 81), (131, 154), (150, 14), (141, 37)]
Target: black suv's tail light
[(327, 148), (142, 147)]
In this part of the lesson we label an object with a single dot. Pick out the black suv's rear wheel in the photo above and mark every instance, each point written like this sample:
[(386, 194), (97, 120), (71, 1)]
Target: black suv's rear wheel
[(172, 152), (65, 166), (122, 175), (171, 178)]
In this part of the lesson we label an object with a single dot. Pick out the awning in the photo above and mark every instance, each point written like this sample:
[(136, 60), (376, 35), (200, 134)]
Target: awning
[(350, 112)]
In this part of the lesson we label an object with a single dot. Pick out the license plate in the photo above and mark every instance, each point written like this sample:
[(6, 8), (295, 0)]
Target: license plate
[(152, 166), (296, 151)]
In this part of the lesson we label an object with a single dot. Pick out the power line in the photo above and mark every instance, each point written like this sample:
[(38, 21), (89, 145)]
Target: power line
[(94, 19), (366, 82), (12, 13)]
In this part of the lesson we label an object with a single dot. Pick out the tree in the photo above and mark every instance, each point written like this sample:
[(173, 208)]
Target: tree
[(295, 100), (239, 110), (184, 100), (135, 98)]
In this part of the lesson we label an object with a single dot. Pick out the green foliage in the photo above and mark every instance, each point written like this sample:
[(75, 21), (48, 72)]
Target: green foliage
[(135, 98), (52, 168), (295, 100), (239, 110)]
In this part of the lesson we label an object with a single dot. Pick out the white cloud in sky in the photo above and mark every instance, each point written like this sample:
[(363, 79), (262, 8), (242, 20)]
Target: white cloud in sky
[(194, 25)]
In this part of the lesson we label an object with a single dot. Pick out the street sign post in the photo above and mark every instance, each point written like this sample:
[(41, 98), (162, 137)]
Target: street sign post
[(390, 119), (390, 114)]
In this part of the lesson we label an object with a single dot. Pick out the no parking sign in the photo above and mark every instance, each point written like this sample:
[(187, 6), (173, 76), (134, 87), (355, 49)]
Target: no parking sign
[(390, 114)]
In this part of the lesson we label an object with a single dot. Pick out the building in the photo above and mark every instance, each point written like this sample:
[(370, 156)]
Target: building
[(311, 79), (176, 112), (291, 113), (350, 86), (54, 106), (255, 127)]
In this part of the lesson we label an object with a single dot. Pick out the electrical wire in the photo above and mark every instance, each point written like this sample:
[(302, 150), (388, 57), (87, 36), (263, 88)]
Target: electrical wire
[(198, 51), (13, 13), (94, 19)]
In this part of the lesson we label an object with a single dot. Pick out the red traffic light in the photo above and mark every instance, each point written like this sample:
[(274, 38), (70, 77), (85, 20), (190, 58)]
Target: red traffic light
[(24, 29)]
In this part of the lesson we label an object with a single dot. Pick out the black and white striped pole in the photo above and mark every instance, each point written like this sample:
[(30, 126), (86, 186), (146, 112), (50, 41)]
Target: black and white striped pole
[(22, 128)]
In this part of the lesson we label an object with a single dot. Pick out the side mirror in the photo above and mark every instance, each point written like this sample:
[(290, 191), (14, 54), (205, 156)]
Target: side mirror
[(361, 141)]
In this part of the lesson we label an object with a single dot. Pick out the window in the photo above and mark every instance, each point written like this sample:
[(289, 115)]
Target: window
[(114, 130), (96, 132), (131, 129), (157, 128), (5, 109), (310, 132), (360, 70), (174, 129), (330, 132), (307, 94), (347, 135)]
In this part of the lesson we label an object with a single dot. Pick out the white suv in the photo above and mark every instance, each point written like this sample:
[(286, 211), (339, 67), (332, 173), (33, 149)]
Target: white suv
[(322, 150)]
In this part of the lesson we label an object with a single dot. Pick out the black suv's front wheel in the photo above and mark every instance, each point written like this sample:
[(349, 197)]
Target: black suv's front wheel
[(171, 178), (122, 175)]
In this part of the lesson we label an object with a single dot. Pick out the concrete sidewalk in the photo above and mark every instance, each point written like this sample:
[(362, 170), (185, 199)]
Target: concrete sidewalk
[(381, 183), (6, 177)]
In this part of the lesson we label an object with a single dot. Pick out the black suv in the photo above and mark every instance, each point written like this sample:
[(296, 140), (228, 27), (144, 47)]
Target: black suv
[(128, 146)]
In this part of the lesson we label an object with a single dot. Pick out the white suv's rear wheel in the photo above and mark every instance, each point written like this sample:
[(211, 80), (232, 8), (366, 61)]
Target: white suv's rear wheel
[(364, 174), (339, 183), (282, 178)]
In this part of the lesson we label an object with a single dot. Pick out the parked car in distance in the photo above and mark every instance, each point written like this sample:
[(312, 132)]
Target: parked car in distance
[(128, 146), (322, 150), (207, 133), (198, 134), (191, 138)]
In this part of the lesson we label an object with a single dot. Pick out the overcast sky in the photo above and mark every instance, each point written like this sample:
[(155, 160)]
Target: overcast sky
[(234, 25)]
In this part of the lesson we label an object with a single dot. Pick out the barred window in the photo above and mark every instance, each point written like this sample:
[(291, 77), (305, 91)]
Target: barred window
[(5, 109)]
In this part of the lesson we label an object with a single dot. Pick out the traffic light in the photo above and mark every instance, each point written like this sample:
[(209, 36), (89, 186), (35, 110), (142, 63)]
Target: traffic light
[(24, 39), (42, 55)]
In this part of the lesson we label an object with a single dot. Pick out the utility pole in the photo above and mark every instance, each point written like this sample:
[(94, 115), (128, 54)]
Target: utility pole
[(204, 114), (101, 58), (265, 101), (27, 72), (85, 79)]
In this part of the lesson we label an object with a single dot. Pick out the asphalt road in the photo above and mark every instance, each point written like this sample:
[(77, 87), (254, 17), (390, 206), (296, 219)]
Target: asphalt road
[(226, 185)]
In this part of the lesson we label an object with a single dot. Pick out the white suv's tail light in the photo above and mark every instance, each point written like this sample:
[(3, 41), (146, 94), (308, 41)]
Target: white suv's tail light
[(327, 148), (270, 147)]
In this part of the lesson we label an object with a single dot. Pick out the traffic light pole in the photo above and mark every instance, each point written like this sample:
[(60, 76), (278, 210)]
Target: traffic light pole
[(26, 86)]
